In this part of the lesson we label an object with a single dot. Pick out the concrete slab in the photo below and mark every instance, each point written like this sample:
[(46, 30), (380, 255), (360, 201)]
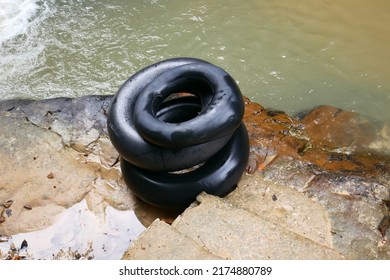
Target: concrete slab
[(162, 242), (234, 233), (285, 206)]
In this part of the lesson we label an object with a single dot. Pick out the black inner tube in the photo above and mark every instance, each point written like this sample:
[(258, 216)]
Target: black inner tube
[(132, 146), (173, 115), (221, 113), (217, 176)]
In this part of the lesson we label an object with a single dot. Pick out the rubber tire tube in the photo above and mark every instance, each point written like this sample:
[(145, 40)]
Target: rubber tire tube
[(217, 176), (129, 143), (218, 118), (179, 109)]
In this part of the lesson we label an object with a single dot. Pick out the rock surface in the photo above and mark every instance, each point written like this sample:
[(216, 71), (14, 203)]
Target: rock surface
[(318, 184), (319, 188), (55, 153), (340, 160)]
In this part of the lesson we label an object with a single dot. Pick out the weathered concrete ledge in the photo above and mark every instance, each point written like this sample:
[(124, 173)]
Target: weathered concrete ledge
[(318, 185)]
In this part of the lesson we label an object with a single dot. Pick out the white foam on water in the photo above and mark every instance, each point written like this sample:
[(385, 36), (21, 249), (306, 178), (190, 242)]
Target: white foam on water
[(15, 17), (22, 40)]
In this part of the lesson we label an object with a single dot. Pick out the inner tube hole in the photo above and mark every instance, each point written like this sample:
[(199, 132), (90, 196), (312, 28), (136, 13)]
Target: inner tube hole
[(179, 107), (185, 98), (179, 95), (187, 170)]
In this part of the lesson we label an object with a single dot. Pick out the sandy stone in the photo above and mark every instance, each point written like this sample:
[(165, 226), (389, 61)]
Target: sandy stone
[(235, 233), (170, 245), (287, 207), (354, 205)]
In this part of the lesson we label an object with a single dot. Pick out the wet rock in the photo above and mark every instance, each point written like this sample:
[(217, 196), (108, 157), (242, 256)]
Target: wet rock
[(327, 137), (24, 244), (323, 176), (334, 128), (384, 225), (70, 254), (319, 181), (56, 153), (15, 253), (333, 157)]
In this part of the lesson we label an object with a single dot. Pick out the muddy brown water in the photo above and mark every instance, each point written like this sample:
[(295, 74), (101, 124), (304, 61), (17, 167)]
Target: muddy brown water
[(289, 55)]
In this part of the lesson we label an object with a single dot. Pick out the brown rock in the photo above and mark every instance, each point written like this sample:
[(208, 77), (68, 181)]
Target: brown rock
[(334, 128), (328, 137)]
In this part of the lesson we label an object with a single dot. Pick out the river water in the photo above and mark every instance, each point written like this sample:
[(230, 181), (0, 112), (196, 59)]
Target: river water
[(288, 55)]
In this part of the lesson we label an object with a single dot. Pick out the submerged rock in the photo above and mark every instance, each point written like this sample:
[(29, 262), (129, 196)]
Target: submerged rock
[(327, 137)]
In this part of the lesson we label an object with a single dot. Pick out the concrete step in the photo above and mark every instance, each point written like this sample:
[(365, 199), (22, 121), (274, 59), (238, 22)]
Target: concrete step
[(284, 206), (239, 227), (162, 242)]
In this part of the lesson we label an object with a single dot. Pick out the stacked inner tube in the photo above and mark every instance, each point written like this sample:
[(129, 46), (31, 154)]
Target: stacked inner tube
[(178, 128)]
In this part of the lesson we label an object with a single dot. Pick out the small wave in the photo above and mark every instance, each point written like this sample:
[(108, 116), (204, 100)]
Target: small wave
[(21, 41), (15, 17)]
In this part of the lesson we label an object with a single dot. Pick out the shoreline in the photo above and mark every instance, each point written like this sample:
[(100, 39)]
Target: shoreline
[(58, 154)]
